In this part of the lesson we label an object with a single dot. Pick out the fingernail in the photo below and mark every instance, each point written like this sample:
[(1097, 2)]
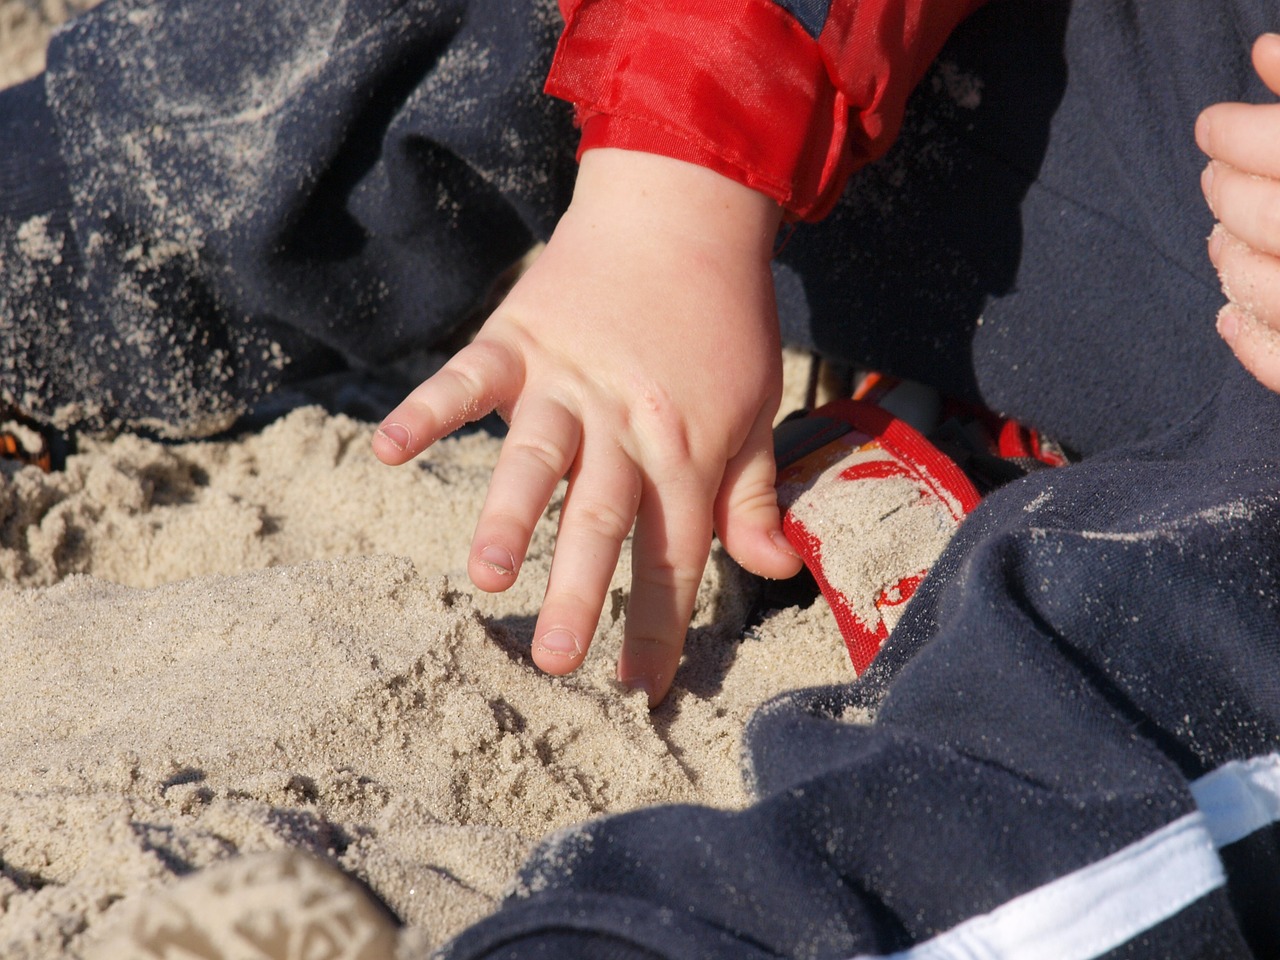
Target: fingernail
[(560, 643), (1228, 323), (783, 545), (397, 434), (639, 683), (497, 558), (1206, 181), (1216, 239), (1202, 128)]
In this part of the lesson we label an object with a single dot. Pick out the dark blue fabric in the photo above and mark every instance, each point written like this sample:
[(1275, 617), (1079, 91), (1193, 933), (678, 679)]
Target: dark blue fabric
[(811, 14), (33, 179), (1094, 639), (260, 189), (1097, 637), (1047, 182), (345, 183)]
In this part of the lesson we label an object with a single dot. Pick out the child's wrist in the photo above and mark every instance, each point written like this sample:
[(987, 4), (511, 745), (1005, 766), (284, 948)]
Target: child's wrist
[(675, 197)]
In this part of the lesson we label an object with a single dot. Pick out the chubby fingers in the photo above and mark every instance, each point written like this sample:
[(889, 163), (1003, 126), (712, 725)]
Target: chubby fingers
[(479, 378), (1242, 135), (1256, 345), (599, 510), (1246, 204), (537, 452), (668, 555), (1250, 322), (1242, 187), (1250, 277)]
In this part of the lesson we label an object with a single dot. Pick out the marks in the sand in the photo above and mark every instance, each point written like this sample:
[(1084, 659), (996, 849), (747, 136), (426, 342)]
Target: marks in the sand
[(366, 709), (347, 708)]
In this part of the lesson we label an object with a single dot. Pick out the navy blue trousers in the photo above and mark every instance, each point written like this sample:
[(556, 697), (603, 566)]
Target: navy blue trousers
[(1075, 750)]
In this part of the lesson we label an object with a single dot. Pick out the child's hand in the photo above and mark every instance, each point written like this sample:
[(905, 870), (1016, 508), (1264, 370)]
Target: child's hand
[(639, 355), (1242, 186)]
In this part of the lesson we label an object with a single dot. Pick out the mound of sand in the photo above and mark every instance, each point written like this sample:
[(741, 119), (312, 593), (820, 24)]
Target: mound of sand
[(242, 645)]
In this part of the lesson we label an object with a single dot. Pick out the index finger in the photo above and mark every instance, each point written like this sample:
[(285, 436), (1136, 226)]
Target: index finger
[(479, 378)]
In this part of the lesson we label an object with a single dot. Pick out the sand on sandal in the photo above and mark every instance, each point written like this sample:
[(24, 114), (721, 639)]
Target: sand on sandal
[(269, 642)]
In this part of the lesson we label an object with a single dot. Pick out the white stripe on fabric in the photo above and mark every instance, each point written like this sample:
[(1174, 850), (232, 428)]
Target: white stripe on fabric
[(1240, 797), (1095, 909), (1099, 907)]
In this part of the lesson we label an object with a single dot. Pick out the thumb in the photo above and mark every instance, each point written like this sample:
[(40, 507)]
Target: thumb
[(746, 509)]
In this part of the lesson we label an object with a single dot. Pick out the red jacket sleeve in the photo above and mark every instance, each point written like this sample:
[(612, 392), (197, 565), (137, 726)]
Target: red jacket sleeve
[(741, 87)]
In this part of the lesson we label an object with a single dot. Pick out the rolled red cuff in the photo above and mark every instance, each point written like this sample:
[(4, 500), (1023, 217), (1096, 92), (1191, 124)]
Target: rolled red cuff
[(747, 95), (743, 89)]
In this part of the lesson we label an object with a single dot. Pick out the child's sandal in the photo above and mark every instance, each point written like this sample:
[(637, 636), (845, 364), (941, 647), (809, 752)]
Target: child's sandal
[(870, 502)]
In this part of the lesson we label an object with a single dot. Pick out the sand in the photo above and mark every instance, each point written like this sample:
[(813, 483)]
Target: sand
[(264, 642), (24, 33), (267, 642), (233, 646)]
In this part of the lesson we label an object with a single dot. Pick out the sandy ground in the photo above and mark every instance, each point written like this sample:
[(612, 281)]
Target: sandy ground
[(268, 642), (229, 647)]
